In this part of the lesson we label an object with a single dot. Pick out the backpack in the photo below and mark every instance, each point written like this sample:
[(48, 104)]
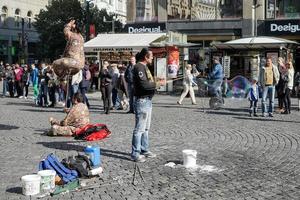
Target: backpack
[(88, 75), (81, 163), (92, 132), (51, 162)]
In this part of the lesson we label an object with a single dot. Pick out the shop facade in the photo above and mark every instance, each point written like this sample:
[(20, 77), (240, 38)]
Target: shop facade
[(287, 29)]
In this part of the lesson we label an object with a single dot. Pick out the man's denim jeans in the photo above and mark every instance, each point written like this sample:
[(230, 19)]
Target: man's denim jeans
[(140, 141), (268, 91), (4, 89)]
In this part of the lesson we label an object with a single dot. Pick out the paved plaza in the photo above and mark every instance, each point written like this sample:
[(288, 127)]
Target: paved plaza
[(239, 157)]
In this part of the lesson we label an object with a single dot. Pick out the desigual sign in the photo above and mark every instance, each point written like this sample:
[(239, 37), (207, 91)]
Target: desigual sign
[(145, 28), (280, 27), (285, 28)]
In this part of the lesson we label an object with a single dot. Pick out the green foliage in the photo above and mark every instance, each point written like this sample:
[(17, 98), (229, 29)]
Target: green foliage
[(96, 17), (51, 21)]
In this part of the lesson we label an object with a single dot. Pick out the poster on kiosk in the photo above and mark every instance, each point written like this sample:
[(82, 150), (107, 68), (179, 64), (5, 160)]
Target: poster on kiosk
[(173, 61)]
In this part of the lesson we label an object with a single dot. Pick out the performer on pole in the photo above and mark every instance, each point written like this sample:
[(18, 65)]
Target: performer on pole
[(73, 57)]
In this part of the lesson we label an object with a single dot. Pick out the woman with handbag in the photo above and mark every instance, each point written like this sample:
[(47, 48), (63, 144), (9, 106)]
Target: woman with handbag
[(106, 86)]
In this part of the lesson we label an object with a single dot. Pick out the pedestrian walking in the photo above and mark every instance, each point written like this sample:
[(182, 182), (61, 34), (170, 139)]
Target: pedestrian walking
[(188, 84), (144, 89)]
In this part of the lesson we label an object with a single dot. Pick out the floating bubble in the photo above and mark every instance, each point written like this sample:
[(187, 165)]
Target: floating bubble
[(238, 87)]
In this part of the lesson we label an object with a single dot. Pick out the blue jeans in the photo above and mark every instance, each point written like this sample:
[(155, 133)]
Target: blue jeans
[(268, 91), (115, 99), (4, 81), (140, 141), (72, 90)]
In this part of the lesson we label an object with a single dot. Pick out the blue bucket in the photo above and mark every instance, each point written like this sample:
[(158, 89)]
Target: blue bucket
[(94, 154)]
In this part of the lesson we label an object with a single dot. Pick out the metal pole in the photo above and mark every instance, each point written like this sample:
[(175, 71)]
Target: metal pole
[(113, 25), (253, 21), (87, 28)]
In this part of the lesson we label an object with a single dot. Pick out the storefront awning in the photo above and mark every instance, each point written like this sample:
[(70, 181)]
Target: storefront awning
[(261, 42), (122, 42)]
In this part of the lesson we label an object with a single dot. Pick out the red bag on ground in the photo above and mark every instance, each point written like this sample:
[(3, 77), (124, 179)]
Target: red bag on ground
[(92, 132)]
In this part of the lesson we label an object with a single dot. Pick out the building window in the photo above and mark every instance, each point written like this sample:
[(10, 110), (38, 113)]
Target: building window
[(29, 17), (17, 17), (287, 9), (282, 9), (270, 9), (3, 17)]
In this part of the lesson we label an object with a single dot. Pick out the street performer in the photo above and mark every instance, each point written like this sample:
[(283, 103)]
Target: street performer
[(73, 57), (144, 88), (78, 116)]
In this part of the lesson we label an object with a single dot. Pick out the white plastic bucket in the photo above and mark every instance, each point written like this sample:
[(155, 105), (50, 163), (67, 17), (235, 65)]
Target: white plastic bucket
[(31, 184), (189, 158), (47, 180)]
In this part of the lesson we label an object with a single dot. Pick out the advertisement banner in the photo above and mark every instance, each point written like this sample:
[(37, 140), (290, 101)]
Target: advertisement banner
[(92, 31), (173, 61), (161, 72)]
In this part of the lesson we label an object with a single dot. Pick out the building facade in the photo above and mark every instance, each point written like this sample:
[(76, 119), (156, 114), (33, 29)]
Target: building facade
[(17, 35), (207, 22), (117, 7)]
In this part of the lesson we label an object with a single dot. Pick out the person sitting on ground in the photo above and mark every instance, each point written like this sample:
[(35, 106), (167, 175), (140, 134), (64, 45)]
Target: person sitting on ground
[(78, 116)]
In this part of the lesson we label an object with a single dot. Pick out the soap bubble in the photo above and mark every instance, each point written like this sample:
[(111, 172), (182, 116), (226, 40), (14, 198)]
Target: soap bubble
[(238, 87)]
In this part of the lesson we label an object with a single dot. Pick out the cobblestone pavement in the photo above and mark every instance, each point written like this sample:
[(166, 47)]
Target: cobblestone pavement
[(239, 157)]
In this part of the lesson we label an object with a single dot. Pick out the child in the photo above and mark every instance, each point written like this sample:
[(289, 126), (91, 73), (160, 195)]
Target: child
[(253, 98)]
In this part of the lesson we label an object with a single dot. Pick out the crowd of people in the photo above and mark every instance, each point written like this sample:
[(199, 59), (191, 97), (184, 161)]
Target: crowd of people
[(49, 90)]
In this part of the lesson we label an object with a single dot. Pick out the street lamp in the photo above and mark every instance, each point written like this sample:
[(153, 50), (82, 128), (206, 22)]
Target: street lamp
[(255, 5), (112, 21), (89, 4)]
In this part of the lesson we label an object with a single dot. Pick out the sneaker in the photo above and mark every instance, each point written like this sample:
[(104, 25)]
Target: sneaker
[(25, 97), (255, 115), (179, 103), (140, 158), (264, 115), (271, 115), (20, 97), (250, 114), (149, 154)]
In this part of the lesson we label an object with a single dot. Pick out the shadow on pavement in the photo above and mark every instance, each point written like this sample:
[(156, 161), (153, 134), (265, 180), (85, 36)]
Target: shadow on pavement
[(7, 127), (71, 145), (15, 190), (264, 119), (43, 110), (244, 110), (169, 105), (30, 104), (225, 113)]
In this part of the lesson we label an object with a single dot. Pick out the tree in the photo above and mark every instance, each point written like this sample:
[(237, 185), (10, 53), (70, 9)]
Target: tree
[(97, 18), (50, 23)]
